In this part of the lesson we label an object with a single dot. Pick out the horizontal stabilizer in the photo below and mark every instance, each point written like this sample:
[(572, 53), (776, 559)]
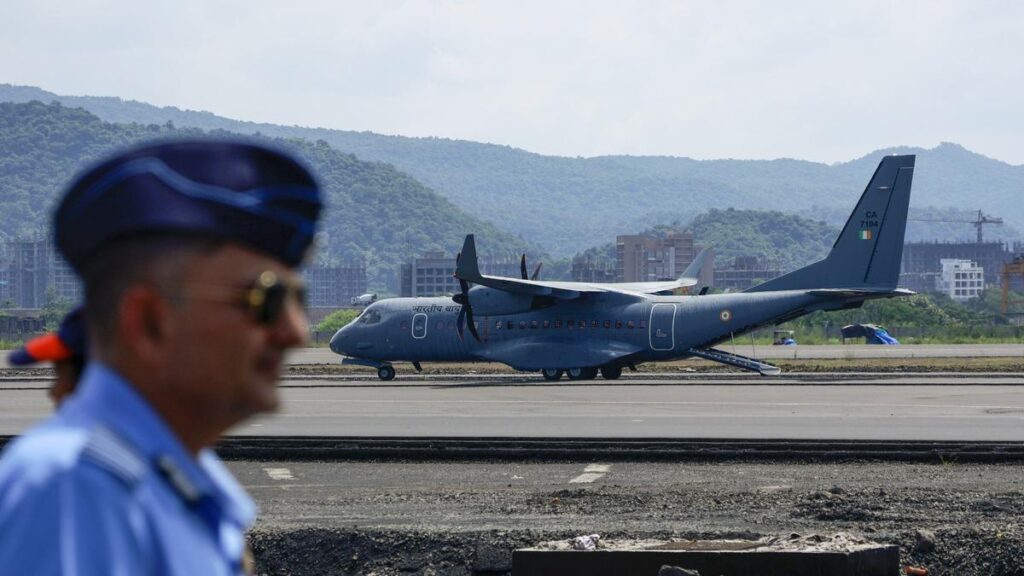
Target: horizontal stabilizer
[(853, 293), (723, 357)]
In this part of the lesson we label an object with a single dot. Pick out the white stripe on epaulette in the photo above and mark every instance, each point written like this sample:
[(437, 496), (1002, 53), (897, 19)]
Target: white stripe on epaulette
[(114, 454)]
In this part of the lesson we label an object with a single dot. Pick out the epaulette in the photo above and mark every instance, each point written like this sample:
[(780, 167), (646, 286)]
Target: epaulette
[(112, 453)]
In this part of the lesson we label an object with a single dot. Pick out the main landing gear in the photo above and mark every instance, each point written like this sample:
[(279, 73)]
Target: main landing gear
[(386, 372), (608, 372)]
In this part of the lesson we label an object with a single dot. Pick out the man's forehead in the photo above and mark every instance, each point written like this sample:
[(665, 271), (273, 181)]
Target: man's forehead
[(238, 263)]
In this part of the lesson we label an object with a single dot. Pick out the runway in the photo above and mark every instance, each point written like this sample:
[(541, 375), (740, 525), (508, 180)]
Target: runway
[(728, 406), (325, 356)]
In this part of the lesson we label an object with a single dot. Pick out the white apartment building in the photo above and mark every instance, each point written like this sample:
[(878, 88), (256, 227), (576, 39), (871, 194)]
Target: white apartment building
[(961, 279)]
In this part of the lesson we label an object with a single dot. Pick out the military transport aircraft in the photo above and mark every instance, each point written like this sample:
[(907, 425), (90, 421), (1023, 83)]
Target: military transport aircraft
[(579, 329)]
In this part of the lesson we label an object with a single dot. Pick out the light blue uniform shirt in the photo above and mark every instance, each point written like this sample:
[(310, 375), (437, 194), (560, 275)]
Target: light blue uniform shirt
[(104, 487)]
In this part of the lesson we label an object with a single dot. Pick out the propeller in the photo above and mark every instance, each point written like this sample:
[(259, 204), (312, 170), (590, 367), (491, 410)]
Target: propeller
[(522, 269), (466, 311)]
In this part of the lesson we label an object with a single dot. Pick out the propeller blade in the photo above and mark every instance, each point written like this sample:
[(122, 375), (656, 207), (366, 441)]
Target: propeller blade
[(466, 312), (536, 272), (522, 267), (471, 324), (458, 323)]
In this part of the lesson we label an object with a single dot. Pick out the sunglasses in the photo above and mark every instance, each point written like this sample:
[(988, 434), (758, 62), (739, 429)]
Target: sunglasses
[(265, 300)]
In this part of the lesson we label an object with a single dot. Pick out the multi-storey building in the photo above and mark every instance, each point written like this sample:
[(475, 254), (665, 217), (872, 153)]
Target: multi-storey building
[(35, 272), (641, 258), (334, 286), (745, 271), (433, 274), (961, 279), (921, 266)]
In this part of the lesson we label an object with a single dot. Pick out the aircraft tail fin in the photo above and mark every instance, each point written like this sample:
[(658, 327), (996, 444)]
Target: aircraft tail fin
[(693, 270), (869, 249)]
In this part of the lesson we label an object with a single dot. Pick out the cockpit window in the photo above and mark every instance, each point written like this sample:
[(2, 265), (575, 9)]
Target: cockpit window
[(370, 316)]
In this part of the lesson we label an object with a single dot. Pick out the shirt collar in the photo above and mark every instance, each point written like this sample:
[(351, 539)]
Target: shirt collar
[(112, 401)]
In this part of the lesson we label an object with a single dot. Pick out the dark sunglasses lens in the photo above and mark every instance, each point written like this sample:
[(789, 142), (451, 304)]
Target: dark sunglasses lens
[(273, 303)]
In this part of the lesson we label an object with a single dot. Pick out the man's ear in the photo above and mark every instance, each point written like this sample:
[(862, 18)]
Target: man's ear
[(144, 323)]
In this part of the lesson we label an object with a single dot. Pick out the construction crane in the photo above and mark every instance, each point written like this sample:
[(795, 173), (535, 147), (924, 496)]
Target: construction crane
[(978, 222)]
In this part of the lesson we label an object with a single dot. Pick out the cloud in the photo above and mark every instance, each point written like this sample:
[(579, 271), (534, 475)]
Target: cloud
[(741, 79)]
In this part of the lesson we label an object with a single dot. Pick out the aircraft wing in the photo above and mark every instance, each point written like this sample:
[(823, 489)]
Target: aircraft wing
[(468, 269), (689, 278)]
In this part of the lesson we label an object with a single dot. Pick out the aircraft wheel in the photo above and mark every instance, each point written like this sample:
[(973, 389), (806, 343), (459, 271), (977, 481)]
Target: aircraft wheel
[(386, 373), (611, 372), (581, 373), (552, 373)]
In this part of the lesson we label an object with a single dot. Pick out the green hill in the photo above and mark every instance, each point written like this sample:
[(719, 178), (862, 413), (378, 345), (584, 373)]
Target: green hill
[(568, 204), (785, 241), (374, 212)]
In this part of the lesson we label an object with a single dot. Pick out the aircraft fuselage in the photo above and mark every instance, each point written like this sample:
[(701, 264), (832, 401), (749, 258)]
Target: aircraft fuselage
[(567, 334)]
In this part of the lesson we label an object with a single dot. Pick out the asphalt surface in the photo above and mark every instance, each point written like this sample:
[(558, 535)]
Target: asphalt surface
[(325, 356), (820, 406)]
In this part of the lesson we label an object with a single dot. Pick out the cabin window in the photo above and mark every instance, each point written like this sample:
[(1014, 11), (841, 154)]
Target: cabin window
[(630, 324), (607, 324), (451, 324), (581, 324), (534, 324), (404, 325), (643, 324), (497, 325), (522, 324), (558, 324), (510, 325), (618, 323), (595, 324), (440, 324), (547, 324)]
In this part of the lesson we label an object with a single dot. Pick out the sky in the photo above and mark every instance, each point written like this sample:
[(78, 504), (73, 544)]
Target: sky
[(821, 81)]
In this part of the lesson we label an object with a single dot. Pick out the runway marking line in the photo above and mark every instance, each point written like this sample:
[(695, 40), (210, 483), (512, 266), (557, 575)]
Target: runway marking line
[(590, 473), (279, 473)]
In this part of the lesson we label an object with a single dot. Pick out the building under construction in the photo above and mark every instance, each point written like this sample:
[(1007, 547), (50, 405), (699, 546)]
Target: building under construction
[(922, 265)]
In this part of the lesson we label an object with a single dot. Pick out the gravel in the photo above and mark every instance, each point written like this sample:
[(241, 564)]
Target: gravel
[(959, 519)]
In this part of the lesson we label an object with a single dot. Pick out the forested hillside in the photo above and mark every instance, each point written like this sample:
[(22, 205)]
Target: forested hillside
[(567, 204), (785, 241), (374, 212)]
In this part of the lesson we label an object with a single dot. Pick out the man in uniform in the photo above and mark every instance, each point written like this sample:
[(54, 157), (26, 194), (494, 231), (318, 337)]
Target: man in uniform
[(66, 348), (187, 252)]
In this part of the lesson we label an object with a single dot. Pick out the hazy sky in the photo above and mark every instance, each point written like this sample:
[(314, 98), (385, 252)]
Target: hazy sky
[(824, 81)]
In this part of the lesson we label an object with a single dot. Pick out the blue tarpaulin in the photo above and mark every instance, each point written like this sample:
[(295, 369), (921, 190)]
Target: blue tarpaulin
[(872, 334)]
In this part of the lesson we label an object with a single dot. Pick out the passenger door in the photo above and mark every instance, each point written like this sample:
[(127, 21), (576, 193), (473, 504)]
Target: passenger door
[(662, 327)]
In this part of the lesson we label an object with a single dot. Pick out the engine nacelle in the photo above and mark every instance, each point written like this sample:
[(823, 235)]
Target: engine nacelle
[(490, 302)]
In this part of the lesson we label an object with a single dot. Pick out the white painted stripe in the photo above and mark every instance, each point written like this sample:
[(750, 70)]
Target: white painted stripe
[(590, 473), (585, 478), (279, 473)]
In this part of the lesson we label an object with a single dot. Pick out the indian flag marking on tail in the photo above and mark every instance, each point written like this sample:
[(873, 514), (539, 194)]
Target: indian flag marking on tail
[(865, 234)]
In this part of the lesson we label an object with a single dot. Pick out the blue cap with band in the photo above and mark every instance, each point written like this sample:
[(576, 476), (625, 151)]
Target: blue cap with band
[(69, 342), (238, 191)]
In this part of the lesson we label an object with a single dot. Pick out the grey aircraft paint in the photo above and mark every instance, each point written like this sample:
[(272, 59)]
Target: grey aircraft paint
[(582, 328)]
